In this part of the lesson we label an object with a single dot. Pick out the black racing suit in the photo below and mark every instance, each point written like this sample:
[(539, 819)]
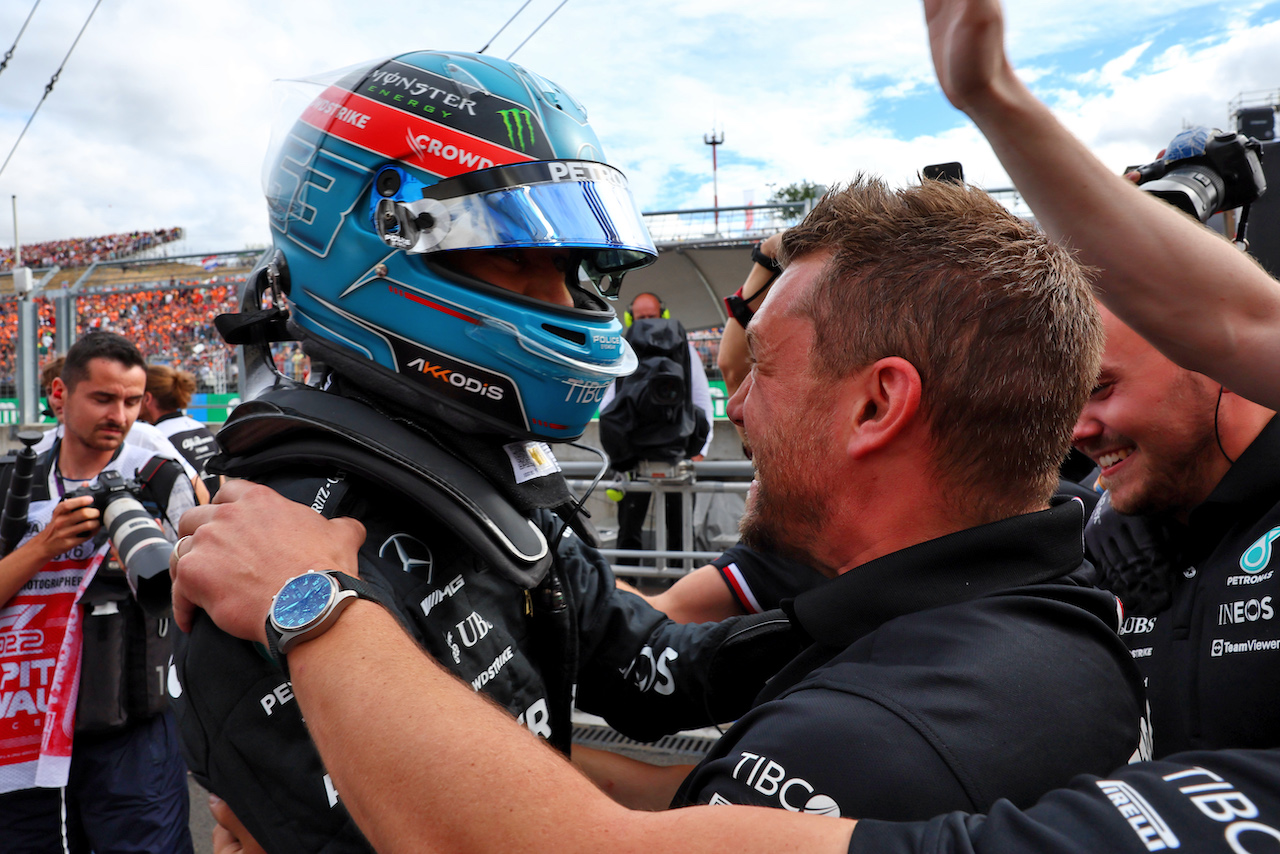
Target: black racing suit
[(528, 648)]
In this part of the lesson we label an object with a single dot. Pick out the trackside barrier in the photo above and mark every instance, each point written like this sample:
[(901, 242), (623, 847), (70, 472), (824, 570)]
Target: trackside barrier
[(579, 474)]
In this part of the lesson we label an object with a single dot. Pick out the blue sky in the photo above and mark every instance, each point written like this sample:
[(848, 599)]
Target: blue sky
[(162, 114)]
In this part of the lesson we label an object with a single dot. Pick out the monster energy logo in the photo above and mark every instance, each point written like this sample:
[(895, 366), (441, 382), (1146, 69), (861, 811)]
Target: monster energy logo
[(511, 119)]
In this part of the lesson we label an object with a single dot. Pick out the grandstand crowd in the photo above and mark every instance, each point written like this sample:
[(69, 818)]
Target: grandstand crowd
[(83, 251), (172, 326)]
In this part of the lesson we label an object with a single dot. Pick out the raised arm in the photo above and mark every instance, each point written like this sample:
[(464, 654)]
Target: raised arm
[(1205, 304)]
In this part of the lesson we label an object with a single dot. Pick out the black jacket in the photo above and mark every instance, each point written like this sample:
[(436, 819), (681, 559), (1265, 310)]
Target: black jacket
[(526, 637), (1224, 801), (1210, 656), (944, 676)]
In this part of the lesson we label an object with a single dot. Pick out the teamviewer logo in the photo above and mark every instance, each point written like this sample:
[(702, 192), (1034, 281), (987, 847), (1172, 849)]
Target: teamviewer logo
[(1216, 650)]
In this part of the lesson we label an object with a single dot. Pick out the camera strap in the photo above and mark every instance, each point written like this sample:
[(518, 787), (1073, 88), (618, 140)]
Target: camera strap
[(156, 480)]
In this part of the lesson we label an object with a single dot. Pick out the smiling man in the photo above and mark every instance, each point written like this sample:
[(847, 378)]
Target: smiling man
[(1191, 468), (959, 653)]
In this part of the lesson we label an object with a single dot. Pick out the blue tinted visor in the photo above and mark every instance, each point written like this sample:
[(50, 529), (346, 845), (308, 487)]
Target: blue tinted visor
[(573, 204)]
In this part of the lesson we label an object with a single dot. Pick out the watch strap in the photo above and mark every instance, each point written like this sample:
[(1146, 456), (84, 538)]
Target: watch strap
[(362, 589), (758, 256), (738, 309)]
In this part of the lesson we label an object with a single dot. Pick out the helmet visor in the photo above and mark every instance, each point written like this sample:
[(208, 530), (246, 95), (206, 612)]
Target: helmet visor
[(574, 204)]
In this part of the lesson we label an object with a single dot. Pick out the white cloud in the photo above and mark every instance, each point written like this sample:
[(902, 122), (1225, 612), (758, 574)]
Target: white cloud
[(161, 117)]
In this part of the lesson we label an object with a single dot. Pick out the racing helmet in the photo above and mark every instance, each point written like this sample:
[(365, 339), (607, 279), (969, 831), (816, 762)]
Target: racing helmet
[(393, 166)]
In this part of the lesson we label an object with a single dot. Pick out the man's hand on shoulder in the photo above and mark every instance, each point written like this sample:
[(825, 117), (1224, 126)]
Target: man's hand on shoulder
[(237, 552)]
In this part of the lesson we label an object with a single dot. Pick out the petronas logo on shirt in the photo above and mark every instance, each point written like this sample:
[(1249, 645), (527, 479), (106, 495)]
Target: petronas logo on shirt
[(518, 123)]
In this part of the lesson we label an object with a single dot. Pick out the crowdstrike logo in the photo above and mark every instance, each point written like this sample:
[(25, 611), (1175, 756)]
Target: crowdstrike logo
[(493, 669), (428, 146), (517, 123)]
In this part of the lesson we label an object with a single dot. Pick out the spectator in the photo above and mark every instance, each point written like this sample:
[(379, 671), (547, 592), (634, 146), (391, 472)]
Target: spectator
[(174, 327), (83, 251), (168, 394), (648, 440)]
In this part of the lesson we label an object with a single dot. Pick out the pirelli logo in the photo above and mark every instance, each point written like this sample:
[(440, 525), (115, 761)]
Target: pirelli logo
[(1151, 828)]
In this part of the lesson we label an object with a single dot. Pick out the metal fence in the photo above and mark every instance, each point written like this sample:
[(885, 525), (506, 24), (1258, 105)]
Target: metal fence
[(706, 477), (714, 225)]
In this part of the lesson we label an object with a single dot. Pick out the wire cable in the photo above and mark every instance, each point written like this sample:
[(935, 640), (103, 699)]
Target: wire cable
[(605, 462), (49, 86), (535, 29), (500, 29), (8, 55)]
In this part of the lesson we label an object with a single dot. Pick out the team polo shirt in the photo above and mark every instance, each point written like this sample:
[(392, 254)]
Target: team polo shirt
[(760, 582), (1223, 801), (1212, 657), (942, 677)]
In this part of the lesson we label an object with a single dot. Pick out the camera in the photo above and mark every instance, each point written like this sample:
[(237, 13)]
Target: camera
[(1206, 171), (138, 540)]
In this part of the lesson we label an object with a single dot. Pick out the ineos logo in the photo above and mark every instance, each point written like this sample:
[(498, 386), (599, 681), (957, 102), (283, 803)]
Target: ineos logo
[(649, 673)]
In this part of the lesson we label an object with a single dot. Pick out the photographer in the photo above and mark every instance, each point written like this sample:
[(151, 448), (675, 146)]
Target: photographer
[(648, 430), (84, 650)]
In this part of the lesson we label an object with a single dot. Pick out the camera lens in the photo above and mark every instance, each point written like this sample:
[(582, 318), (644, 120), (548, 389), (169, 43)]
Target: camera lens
[(1195, 189), (143, 550)]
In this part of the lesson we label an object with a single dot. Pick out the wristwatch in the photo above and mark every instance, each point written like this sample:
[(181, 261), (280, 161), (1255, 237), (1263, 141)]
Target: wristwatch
[(308, 605)]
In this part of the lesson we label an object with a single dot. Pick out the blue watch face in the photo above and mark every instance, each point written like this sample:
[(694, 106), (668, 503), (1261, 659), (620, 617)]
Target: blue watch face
[(302, 600)]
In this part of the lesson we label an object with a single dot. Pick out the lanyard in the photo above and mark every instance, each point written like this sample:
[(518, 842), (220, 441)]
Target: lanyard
[(59, 480)]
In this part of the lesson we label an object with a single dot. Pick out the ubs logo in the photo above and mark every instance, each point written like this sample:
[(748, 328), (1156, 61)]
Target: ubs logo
[(473, 629), (1138, 625)]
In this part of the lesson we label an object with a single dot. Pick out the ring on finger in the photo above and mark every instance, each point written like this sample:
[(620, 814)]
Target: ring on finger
[(178, 551)]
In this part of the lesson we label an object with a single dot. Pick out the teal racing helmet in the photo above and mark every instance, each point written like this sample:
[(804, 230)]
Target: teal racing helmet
[(393, 166)]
